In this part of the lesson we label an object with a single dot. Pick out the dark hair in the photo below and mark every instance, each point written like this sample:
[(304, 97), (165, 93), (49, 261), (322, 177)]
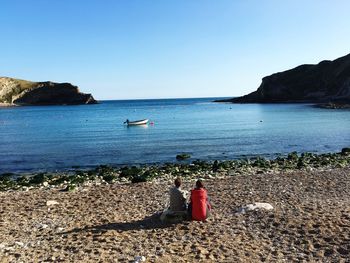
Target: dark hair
[(177, 182), (199, 184)]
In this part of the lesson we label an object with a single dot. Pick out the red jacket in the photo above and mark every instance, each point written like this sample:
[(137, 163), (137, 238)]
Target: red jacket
[(200, 204)]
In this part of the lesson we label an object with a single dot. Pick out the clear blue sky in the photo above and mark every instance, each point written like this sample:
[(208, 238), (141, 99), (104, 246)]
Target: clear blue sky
[(162, 48)]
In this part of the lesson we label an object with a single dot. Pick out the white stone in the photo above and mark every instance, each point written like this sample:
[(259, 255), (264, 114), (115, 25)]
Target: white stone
[(51, 202), (255, 206), (2, 246), (60, 229), (45, 184), (139, 259), (43, 226)]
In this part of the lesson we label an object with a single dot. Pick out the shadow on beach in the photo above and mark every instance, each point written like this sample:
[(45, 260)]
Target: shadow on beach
[(150, 222)]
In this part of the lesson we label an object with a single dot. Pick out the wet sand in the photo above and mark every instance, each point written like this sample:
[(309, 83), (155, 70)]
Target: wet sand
[(117, 222)]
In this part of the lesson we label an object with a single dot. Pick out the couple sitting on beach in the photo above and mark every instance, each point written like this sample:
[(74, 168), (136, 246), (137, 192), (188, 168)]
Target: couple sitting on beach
[(197, 209)]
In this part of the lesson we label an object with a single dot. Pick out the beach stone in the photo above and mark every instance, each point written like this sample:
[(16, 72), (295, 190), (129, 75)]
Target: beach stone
[(139, 259), (42, 226), (254, 206), (203, 250), (343, 251), (51, 202), (9, 249), (20, 244)]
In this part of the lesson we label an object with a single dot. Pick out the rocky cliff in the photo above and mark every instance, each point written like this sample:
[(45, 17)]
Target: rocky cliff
[(326, 82), (22, 92)]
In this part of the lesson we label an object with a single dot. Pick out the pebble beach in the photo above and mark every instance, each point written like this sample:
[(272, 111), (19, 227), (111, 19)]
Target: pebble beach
[(119, 222), (175, 131)]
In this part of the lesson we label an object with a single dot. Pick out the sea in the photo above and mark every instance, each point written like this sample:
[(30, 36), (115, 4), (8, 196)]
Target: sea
[(61, 138)]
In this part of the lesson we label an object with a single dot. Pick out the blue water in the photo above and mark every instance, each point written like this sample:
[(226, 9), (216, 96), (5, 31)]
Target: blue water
[(59, 137)]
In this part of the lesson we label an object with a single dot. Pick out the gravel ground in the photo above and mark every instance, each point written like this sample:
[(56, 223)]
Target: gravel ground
[(310, 222)]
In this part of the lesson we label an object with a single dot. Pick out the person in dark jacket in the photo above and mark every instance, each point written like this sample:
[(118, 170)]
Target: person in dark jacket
[(199, 206)]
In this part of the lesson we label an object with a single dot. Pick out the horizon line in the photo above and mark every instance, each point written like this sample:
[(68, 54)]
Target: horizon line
[(174, 98)]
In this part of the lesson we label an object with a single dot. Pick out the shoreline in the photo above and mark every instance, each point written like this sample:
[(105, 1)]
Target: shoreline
[(136, 174), (5, 105)]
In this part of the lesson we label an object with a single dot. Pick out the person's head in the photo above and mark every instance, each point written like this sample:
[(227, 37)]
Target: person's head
[(177, 182), (199, 184)]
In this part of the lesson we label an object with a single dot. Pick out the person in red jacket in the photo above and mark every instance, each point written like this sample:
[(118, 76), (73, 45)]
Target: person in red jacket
[(199, 206)]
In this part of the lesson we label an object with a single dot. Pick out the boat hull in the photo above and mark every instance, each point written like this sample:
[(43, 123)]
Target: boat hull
[(139, 122)]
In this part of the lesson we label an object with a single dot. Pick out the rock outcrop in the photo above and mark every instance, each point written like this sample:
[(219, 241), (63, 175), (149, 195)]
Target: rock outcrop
[(21, 92), (326, 82)]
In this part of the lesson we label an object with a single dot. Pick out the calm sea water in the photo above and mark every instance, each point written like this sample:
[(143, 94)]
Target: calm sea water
[(59, 137)]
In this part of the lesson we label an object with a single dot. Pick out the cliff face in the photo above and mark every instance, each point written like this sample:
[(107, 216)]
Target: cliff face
[(21, 92), (328, 81)]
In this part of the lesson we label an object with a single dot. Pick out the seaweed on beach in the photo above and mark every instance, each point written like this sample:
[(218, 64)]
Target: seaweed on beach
[(109, 178), (133, 174), (23, 181), (38, 179), (130, 172), (60, 179), (6, 181)]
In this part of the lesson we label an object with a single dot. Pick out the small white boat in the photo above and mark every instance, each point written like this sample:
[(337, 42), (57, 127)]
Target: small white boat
[(139, 122)]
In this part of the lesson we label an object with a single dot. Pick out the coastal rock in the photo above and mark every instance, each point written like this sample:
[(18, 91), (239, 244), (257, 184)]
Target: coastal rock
[(345, 151), (182, 156), (325, 82), (21, 92), (334, 106)]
